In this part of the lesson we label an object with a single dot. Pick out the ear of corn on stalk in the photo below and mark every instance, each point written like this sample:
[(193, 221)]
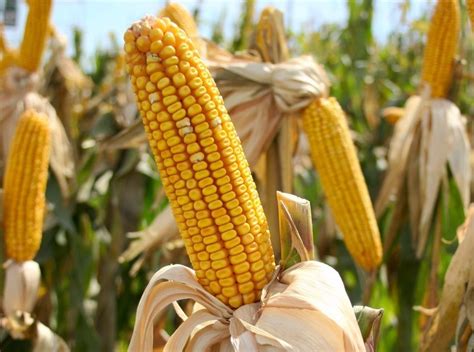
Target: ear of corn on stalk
[(201, 162), (335, 158), (24, 186), (441, 46), (182, 17), (36, 33)]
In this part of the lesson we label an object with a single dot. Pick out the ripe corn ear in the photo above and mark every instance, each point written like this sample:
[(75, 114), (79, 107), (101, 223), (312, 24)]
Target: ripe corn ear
[(335, 158), (441, 46), (182, 17), (36, 33), (24, 186), (201, 162)]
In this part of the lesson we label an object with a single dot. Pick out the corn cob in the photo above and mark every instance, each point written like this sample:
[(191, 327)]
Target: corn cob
[(441, 46), (335, 158), (36, 33), (201, 162), (182, 17), (24, 186)]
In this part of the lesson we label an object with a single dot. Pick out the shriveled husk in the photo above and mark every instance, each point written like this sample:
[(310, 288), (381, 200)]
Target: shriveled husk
[(162, 230), (17, 94), (22, 280), (455, 310), (304, 308), (428, 139), (258, 95)]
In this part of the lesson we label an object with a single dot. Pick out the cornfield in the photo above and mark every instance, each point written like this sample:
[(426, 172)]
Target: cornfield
[(288, 185)]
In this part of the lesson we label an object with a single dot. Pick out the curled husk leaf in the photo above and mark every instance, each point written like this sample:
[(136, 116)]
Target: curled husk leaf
[(435, 129), (458, 282), (303, 308)]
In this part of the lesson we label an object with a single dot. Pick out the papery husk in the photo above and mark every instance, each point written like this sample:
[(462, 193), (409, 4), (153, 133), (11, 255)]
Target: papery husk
[(47, 340), (22, 280), (64, 83), (304, 308), (429, 139), (17, 94), (162, 230), (258, 95), (459, 277)]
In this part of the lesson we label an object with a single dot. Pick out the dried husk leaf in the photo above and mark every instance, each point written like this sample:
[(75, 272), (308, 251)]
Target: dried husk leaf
[(429, 138), (398, 153), (257, 96), (22, 280), (162, 230), (47, 340), (442, 325), (306, 308), (296, 232)]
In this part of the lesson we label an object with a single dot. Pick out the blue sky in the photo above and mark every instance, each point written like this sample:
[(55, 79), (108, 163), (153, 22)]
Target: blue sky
[(98, 18)]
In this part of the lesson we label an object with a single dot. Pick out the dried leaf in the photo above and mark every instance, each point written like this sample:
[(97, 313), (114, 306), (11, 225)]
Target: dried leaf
[(398, 153), (433, 159), (308, 300), (443, 323)]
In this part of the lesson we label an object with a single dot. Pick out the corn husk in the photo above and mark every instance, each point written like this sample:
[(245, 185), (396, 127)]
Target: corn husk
[(458, 286), (22, 281), (163, 230), (428, 139), (258, 95), (303, 308)]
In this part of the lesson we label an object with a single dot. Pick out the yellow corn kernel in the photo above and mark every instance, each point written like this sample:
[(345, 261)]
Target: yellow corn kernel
[(213, 195), (24, 186), (335, 159), (441, 46), (182, 17), (36, 33)]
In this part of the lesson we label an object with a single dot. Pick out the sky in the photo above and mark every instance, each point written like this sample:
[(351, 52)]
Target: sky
[(98, 18)]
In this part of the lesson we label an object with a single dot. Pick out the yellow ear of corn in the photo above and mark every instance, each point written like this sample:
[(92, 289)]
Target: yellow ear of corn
[(182, 17), (36, 33), (335, 158), (201, 162), (441, 46), (24, 186)]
